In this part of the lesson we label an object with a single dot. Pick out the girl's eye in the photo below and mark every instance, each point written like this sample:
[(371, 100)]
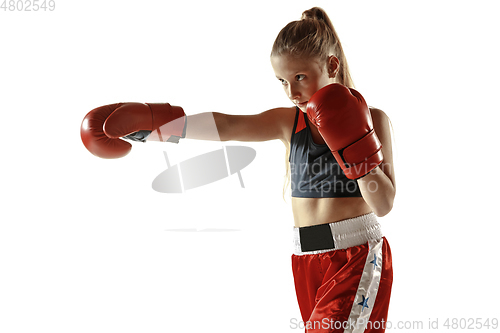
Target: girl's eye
[(298, 77)]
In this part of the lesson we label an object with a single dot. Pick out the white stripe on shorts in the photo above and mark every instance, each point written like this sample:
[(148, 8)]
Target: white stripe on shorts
[(367, 289)]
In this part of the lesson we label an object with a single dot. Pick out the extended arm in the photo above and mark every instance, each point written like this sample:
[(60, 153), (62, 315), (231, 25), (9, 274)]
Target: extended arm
[(264, 126), (103, 128)]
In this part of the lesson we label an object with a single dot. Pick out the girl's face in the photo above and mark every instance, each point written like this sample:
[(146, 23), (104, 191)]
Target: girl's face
[(301, 78)]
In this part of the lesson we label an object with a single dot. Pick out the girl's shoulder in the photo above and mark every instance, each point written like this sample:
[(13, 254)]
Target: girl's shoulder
[(381, 120), (377, 113), (284, 118)]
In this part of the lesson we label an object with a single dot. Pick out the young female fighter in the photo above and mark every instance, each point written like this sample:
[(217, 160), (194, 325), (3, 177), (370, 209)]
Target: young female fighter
[(341, 171)]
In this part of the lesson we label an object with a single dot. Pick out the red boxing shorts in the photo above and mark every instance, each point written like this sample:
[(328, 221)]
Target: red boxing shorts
[(343, 276)]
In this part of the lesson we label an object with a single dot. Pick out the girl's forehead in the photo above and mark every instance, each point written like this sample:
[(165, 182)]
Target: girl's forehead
[(287, 64)]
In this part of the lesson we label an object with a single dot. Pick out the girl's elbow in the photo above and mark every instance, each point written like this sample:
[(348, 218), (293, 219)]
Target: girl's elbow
[(383, 210)]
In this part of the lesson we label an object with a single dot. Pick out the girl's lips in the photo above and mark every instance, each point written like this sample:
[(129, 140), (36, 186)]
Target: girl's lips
[(302, 104)]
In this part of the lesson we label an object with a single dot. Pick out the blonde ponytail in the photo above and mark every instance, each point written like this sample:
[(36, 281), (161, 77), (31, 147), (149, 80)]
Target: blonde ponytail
[(315, 37)]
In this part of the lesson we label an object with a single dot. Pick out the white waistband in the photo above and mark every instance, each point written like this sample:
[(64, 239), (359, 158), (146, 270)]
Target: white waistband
[(346, 233)]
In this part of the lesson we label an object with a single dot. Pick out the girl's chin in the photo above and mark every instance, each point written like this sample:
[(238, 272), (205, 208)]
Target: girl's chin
[(302, 106)]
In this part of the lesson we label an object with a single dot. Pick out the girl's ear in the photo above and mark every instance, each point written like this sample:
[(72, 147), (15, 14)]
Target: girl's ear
[(333, 66)]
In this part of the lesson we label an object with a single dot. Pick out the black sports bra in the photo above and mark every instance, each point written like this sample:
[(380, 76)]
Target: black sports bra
[(314, 171)]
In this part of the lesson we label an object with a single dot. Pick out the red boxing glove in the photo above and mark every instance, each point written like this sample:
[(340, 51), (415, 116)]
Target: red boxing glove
[(103, 127), (345, 123)]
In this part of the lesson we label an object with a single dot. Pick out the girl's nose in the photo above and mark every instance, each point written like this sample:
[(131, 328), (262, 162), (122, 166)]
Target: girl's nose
[(292, 92)]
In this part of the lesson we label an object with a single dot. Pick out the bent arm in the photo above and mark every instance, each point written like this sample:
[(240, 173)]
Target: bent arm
[(378, 188)]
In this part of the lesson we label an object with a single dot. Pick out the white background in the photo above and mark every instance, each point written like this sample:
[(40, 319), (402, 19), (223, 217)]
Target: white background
[(84, 242)]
